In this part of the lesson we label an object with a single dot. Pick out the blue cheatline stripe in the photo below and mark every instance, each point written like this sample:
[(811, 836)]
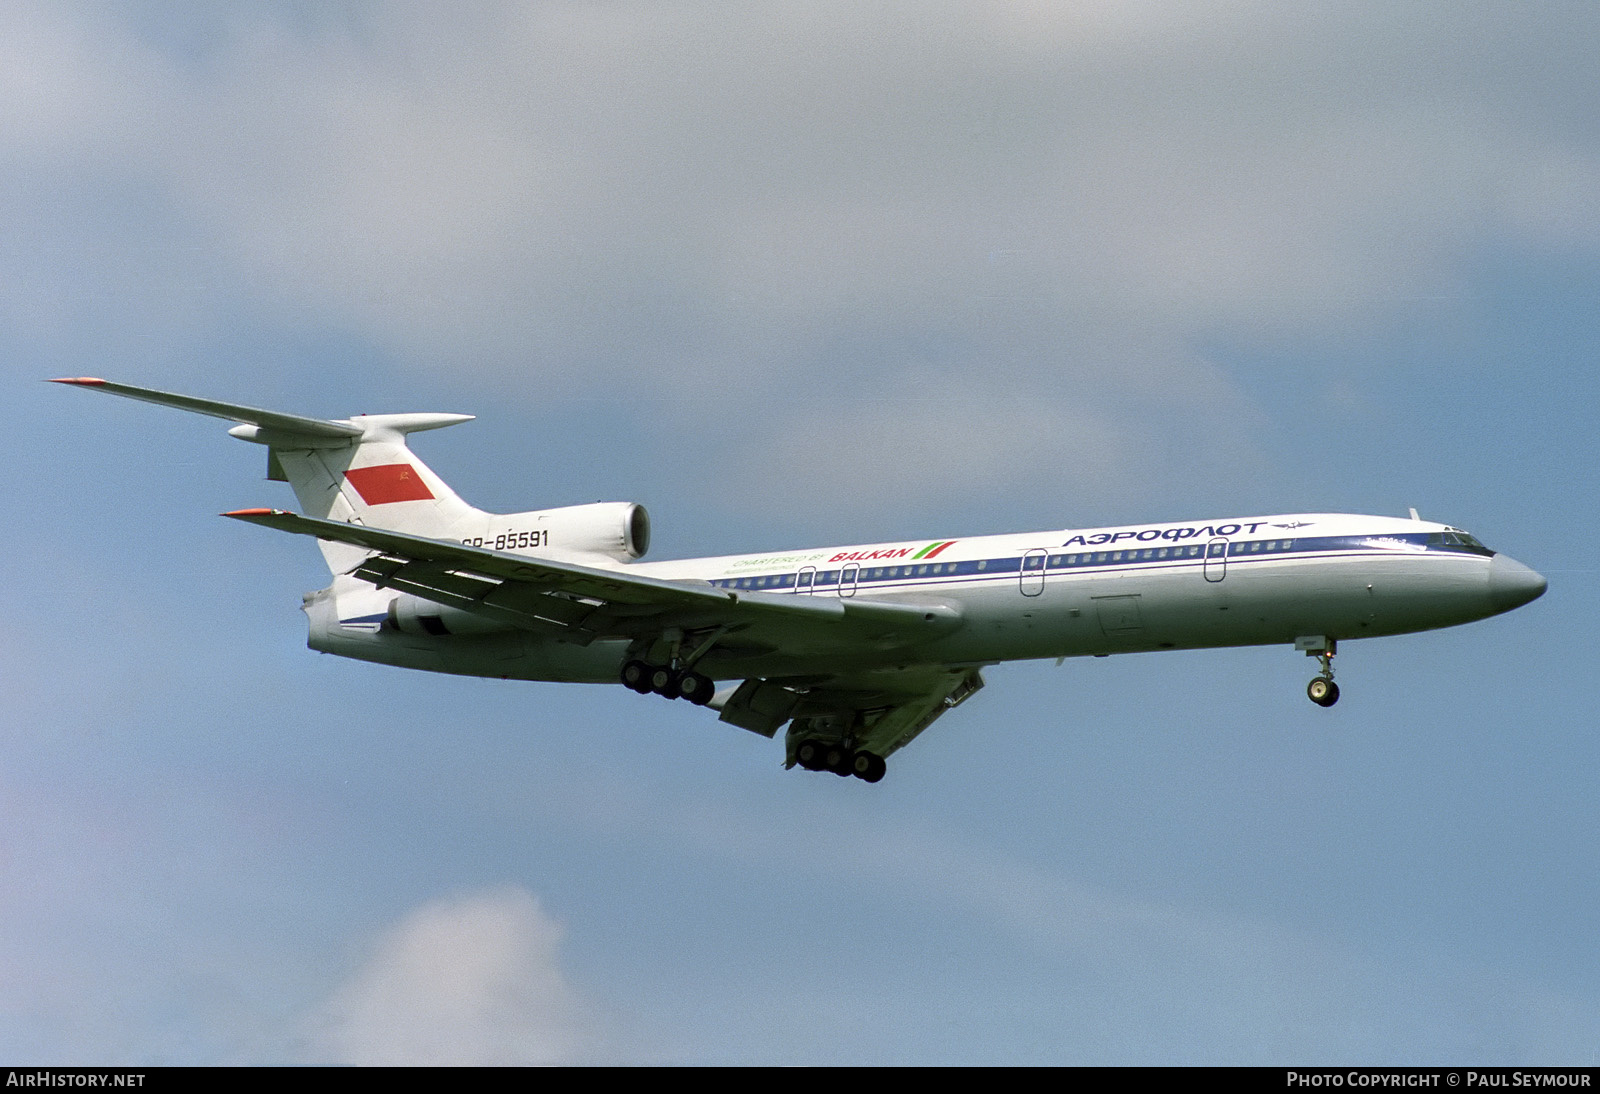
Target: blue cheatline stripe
[(1189, 554)]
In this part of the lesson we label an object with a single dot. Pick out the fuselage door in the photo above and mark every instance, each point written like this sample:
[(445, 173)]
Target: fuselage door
[(847, 579), (1217, 559), (1033, 572), (805, 580), (1119, 615)]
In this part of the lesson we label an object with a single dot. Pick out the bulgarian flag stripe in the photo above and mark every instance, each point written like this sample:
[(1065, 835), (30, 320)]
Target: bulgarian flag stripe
[(932, 550)]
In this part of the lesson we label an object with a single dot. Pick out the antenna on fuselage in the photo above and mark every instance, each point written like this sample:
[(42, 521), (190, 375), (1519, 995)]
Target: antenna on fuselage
[(1414, 515)]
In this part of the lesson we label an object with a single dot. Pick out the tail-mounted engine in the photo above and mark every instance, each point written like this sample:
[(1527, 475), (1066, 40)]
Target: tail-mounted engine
[(617, 529)]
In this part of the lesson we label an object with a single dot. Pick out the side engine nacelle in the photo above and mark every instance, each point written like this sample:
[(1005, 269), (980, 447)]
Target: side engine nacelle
[(616, 529)]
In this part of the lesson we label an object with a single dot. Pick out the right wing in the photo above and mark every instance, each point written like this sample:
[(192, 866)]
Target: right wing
[(882, 710)]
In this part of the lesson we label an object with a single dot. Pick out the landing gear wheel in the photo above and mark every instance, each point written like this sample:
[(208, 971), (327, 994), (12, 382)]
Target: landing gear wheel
[(636, 677), (837, 759), (868, 767), (1322, 691), (696, 688), (664, 682), (808, 754)]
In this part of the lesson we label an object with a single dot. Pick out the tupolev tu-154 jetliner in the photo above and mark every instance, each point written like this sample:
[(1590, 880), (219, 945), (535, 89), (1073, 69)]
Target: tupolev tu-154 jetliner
[(857, 649)]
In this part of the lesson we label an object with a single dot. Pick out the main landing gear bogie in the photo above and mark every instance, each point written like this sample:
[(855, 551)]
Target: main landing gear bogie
[(668, 682), (835, 756)]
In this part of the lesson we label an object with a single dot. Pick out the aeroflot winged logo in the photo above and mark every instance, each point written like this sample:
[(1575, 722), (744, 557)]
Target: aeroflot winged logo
[(388, 482)]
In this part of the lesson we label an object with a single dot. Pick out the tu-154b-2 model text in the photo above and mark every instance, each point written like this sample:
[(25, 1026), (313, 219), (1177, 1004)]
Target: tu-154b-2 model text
[(857, 649)]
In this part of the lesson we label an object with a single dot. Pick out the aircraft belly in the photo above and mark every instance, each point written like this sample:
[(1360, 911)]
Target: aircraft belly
[(351, 624), (512, 656), (1257, 603), (1000, 624), (1426, 593), (1265, 603)]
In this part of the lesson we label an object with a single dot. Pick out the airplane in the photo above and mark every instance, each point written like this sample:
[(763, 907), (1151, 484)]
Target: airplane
[(857, 649)]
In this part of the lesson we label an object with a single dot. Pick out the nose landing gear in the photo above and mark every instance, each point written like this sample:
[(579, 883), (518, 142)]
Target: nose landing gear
[(1322, 690)]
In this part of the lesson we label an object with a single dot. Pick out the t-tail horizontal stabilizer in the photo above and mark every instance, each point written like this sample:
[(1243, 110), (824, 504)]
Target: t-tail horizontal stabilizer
[(356, 470), (287, 426)]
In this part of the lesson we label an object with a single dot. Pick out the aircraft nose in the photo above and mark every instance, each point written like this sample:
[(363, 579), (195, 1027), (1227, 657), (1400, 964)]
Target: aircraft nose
[(1511, 584)]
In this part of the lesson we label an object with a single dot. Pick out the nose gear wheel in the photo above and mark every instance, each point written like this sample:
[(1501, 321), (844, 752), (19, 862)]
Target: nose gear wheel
[(1322, 690)]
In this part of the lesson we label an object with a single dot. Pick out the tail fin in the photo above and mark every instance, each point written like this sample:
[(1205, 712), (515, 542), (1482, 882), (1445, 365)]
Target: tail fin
[(355, 470)]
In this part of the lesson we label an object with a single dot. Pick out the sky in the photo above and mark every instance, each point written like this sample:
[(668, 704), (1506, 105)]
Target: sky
[(795, 275)]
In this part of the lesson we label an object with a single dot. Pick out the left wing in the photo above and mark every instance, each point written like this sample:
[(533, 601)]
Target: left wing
[(882, 711), (879, 711), (589, 602)]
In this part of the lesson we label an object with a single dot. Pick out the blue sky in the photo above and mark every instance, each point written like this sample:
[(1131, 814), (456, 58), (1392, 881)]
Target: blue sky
[(807, 276)]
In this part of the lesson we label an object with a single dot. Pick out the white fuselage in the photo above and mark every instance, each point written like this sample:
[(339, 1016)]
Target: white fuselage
[(1066, 593)]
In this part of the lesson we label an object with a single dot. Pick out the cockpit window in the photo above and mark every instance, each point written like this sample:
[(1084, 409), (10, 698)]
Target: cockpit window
[(1459, 540)]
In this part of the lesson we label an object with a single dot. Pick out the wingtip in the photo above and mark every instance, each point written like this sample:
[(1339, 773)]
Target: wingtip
[(81, 381), (241, 513)]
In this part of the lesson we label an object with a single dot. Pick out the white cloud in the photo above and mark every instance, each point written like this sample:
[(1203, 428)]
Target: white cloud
[(524, 183), (696, 205), (473, 980)]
